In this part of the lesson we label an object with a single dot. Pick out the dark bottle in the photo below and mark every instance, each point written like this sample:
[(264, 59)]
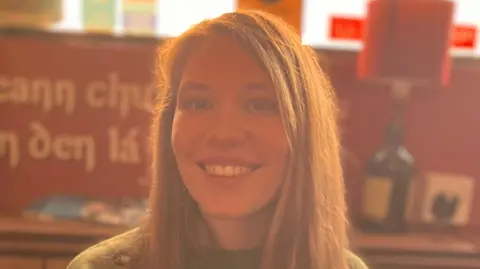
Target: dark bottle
[(388, 178)]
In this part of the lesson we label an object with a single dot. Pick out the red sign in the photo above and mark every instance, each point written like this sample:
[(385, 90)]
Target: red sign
[(351, 29), (74, 118), (464, 37), (346, 28)]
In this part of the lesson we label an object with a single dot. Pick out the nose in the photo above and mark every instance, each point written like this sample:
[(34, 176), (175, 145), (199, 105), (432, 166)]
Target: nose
[(227, 130)]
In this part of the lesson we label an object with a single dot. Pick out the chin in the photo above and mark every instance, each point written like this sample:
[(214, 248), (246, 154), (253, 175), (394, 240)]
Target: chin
[(234, 212)]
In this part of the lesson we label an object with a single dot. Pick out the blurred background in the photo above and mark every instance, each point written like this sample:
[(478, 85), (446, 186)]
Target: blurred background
[(77, 88)]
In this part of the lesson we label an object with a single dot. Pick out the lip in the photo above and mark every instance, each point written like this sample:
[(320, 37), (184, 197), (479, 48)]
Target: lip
[(235, 161), (226, 181)]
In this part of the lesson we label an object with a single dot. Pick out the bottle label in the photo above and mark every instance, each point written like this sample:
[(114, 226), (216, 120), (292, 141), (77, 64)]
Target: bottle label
[(376, 198)]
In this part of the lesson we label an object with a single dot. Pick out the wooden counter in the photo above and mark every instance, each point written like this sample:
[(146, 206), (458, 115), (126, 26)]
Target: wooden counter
[(417, 251), (28, 244)]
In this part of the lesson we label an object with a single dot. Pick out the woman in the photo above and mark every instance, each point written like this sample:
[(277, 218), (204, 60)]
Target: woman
[(247, 168)]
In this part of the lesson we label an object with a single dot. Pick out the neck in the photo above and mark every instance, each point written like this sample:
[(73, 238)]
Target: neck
[(238, 233)]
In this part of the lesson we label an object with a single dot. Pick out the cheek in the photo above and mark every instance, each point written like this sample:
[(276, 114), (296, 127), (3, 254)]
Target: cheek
[(176, 138), (182, 135), (276, 150), (280, 155), (273, 144), (280, 151), (273, 140)]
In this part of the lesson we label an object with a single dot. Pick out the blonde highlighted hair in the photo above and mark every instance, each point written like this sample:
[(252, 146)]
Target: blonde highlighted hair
[(308, 230)]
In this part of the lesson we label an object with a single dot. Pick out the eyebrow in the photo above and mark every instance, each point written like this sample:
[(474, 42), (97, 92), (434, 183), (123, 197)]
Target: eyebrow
[(193, 86)]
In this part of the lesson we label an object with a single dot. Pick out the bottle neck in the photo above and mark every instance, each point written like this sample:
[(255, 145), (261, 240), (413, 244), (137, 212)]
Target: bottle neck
[(395, 131)]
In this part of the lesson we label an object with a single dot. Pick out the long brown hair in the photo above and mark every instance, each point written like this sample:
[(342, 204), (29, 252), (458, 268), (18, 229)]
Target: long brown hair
[(308, 230)]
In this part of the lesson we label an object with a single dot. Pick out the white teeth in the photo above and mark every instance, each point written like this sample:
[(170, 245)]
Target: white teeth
[(227, 170)]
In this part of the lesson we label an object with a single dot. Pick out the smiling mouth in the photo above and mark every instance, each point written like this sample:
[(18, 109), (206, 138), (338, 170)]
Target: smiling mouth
[(227, 170)]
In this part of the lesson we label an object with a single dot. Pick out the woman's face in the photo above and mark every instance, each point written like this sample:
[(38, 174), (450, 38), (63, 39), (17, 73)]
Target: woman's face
[(228, 137)]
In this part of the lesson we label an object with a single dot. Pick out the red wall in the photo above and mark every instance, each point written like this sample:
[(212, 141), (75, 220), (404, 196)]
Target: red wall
[(85, 65), (443, 124)]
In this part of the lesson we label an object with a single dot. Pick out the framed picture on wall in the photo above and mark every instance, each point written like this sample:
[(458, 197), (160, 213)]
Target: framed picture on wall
[(446, 199)]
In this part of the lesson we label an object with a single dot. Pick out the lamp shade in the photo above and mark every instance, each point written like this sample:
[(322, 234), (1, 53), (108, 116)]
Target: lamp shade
[(407, 40)]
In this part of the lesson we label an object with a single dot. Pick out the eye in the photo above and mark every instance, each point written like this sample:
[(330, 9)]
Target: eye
[(262, 105), (196, 104)]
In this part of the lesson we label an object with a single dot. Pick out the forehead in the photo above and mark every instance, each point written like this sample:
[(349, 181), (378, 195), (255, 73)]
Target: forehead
[(221, 60)]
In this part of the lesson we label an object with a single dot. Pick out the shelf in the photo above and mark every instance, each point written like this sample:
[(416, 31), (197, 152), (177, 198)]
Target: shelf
[(9, 226)]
